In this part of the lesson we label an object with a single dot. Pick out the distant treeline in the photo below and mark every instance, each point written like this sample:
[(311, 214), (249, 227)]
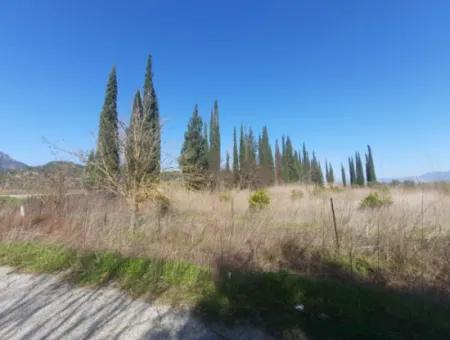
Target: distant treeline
[(253, 162)]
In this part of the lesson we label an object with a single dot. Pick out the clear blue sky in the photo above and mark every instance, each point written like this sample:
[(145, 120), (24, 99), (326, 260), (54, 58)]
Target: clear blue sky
[(335, 74)]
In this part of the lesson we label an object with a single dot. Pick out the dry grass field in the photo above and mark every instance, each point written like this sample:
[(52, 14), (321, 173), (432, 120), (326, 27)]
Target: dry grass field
[(380, 271), (405, 244)]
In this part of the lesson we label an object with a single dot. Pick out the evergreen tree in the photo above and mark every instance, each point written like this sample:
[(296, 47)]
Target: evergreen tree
[(266, 161), (316, 171), (206, 137), (370, 167), (194, 158), (136, 142), (291, 169), (344, 179), (306, 165), (352, 171), (330, 174), (249, 168), (108, 135), (235, 159), (152, 122), (278, 165), (359, 170), (214, 141)]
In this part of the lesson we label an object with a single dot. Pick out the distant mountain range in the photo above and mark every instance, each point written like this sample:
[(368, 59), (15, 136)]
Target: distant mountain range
[(7, 163), (16, 175), (437, 176)]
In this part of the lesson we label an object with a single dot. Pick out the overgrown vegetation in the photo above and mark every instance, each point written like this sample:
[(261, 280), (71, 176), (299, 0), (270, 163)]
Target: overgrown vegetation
[(260, 199), (342, 308), (376, 200)]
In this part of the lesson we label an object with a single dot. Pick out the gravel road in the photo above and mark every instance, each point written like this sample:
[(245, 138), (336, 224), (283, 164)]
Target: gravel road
[(42, 307)]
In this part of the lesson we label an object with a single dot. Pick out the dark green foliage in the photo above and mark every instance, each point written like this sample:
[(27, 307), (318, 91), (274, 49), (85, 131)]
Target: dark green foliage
[(152, 122), (278, 165), (351, 170), (359, 170), (344, 179), (214, 142), (329, 174), (266, 162), (194, 158), (370, 167), (247, 160), (306, 165), (290, 163), (206, 137), (316, 171), (108, 135)]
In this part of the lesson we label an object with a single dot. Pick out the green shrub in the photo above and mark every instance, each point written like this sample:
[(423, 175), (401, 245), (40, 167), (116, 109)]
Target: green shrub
[(224, 196), (259, 200), (374, 200), (296, 194)]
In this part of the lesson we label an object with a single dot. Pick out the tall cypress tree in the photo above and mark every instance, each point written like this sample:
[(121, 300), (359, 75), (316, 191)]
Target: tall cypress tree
[(206, 136), (359, 170), (344, 179), (316, 171), (352, 171), (370, 167), (306, 165), (330, 174), (152, 121), (135, 143), (278, 165), (194, 158), (291, 169), (214, 141), (266, 158), (108, 135), (235, 159)]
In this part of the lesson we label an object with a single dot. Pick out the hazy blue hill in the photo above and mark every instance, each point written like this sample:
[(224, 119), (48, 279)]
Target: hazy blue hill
[(7, 163)]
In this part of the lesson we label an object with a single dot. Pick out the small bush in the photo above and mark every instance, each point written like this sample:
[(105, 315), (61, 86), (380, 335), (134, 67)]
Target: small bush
[(224, 196), (296, 194), (259, 200), (374, 200)]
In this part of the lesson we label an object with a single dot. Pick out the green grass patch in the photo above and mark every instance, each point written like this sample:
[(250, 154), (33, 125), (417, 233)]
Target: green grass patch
[(341, 308), (11, 201)]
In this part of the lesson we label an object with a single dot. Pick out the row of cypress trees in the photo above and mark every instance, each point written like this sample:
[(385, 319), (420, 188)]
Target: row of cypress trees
[(356, 170), (254, 164), (253, 161), (145, 111)]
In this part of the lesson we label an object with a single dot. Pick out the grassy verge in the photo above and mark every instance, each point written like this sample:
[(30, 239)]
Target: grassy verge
[(337, 309), (152, 278)]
